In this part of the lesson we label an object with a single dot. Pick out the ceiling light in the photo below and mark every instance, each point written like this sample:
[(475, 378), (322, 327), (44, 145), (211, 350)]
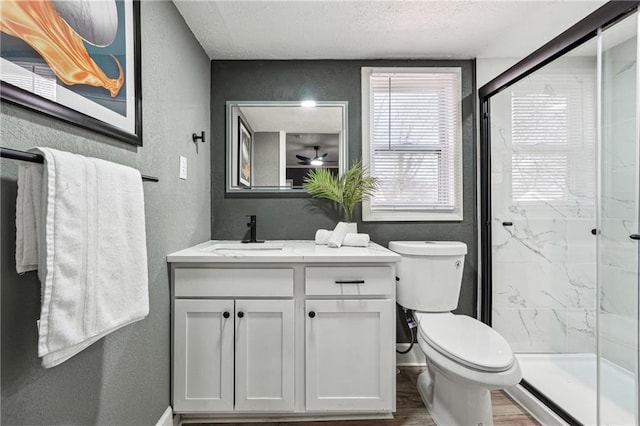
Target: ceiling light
[(308, 104), (316, 162)]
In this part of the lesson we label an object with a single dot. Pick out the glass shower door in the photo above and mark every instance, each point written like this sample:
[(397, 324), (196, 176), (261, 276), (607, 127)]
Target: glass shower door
[(543, 195), (618, 209)]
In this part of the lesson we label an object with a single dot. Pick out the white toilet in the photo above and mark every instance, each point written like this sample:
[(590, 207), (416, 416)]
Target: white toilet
[(465, 357)]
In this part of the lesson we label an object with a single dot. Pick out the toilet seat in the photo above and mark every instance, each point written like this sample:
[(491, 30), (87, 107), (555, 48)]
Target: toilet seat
[(466, 341)]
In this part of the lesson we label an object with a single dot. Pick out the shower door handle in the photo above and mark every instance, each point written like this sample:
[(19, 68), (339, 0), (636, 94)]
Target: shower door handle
[(635, 236)]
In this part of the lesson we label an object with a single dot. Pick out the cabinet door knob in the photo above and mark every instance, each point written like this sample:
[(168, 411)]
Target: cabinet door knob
[(225, 314), (312, 314), (240, 314)]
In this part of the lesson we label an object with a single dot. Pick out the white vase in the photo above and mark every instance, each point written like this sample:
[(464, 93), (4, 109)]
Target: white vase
[(340, 231), (352, 227)]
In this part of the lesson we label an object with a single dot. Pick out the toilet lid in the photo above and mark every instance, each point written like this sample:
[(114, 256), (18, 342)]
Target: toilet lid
[(466, 340)]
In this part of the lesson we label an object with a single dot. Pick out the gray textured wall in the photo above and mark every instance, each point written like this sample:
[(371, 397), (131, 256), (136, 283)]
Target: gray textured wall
[(266, 159), (296, 218), (124, 378)]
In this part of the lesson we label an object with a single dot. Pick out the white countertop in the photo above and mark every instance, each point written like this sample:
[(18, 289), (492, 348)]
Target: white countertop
[(290, 251)]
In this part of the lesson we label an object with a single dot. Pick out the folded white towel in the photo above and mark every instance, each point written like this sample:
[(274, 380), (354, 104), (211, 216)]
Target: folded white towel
[(28, 220), (356, 240), (91, 252), (322, 236), (338, 234)]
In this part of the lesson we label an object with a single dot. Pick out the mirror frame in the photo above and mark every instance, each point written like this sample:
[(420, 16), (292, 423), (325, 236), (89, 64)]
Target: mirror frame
[(343, 147)]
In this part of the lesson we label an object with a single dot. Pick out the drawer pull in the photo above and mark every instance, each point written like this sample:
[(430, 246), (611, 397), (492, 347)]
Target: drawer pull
[(635, 236), (312, 314), (349, 281), (225, 314), (240, 314)]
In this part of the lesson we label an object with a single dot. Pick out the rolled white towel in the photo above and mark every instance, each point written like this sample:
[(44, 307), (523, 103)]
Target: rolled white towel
[(356, 240), (322, 236), (338, 234)]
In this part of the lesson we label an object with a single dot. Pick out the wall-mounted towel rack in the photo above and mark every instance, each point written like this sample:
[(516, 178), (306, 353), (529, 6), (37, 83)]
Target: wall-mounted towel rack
[(14, 154)]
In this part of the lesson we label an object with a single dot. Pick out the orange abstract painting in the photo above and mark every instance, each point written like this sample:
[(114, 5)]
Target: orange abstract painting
[(80, 55), (39, 25)]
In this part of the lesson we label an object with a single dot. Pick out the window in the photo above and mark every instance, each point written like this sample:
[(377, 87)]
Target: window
[(553, 140), (412, 142)]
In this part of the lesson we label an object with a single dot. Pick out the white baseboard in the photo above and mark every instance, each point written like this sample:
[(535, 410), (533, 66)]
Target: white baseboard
[(415, 357), (246, 417), (167, 418)]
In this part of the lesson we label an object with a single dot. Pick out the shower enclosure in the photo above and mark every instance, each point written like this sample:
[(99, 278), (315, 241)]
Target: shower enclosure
[(560, 157)]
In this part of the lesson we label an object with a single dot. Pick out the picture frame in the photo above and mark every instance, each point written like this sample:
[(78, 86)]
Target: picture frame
[(94, 84), (245, 147)]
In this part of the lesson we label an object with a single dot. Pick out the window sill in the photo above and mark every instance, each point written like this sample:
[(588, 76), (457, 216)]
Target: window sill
[(410, 216)]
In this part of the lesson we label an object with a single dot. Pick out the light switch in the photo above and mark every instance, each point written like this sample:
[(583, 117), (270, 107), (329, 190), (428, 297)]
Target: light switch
[(183, 167)]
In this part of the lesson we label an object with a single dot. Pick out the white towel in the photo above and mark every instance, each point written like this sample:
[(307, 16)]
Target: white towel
[(91, 251), (356, 240), (322, 236), (28, 220), (338, 234)]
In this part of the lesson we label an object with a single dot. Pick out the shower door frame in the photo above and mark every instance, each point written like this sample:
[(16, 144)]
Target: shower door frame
[(586, 29)]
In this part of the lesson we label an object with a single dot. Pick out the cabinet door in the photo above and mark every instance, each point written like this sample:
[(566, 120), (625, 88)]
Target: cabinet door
[(203, 356), (350, 363), (264, 355)]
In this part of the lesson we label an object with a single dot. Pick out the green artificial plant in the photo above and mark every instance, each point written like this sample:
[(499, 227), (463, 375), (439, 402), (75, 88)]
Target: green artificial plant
[(347, 190)]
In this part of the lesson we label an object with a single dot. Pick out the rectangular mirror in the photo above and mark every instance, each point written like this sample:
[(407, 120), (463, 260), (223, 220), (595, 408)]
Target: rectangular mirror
[(271, 146)]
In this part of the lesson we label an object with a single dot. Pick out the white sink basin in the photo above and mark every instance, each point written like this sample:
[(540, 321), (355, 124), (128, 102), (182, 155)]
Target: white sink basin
[(244, 246)]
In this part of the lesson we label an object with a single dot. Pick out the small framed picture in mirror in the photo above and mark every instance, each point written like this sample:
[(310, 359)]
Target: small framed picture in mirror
[(244, 149)]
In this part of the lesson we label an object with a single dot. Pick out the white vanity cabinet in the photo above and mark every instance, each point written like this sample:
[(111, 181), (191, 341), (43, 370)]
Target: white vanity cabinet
[(203, 355), (306, 332), (347, 337), (347, 355), (264, 355), (209, 348), (231, 351)]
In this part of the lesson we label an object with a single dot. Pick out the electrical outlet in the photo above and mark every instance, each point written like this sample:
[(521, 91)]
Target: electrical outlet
[(183, 167)]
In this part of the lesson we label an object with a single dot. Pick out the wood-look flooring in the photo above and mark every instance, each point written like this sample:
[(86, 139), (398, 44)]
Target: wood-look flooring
[(410, 411)]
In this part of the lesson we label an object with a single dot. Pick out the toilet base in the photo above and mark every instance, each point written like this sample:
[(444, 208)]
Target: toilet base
[(454, 402)]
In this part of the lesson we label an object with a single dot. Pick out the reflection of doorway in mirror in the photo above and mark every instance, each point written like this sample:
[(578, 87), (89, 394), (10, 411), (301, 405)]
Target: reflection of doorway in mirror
[(265, 160), (244, 160)]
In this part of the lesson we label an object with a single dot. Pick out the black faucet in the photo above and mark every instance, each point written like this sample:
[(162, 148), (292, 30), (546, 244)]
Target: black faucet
[(253, 230)]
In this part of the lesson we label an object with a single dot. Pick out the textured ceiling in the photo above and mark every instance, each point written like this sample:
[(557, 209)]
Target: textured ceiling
[(344, 29)]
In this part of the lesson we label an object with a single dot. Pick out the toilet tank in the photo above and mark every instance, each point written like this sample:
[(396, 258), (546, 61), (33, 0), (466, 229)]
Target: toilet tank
[(430, 274)]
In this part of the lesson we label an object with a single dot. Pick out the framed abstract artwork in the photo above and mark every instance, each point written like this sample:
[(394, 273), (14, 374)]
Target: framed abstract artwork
[(244, 154), (77, 60)]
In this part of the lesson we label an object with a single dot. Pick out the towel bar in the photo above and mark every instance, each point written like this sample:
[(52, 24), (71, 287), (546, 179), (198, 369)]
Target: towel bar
[(14, 154)]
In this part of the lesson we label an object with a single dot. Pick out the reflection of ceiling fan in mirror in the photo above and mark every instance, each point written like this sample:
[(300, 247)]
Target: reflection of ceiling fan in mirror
[(316, 160)]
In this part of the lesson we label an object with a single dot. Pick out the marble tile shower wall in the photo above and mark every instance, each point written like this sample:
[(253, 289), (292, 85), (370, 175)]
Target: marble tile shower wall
[(618, 261), (544, 264)]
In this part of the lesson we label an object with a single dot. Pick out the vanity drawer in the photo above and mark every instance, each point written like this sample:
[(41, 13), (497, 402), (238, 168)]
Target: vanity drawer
[(349, 281), (231, 282)]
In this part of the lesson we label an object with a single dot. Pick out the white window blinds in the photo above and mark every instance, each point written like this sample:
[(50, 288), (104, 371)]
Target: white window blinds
[(553, 139), (413, 143)]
